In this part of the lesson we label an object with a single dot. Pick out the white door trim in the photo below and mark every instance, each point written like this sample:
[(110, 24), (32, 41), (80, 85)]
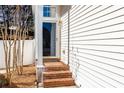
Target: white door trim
[(53, 20)]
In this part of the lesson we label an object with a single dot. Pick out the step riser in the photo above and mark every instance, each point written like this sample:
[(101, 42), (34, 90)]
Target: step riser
[(55, 76), (58, 84), (56, 69), (51, 60)]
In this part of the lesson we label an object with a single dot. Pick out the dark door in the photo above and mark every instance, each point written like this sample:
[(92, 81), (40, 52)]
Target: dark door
[(49, 39)]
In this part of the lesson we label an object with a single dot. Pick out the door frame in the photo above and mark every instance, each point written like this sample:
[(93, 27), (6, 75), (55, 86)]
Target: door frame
[(52, 20), (56, 38)]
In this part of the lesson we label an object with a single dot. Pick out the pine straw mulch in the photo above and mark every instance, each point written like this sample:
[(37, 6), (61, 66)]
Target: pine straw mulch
[(26, 80)]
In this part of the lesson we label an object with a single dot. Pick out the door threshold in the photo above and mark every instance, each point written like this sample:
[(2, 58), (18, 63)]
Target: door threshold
[(50, 57)]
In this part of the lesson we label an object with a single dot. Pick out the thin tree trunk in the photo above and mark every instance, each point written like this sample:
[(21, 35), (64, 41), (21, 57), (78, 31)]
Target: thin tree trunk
[(5, 51)]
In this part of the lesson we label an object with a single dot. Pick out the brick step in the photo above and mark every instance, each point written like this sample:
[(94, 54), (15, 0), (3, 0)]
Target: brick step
[(57, 74), (55, 66), (58, 82), (51, 59)]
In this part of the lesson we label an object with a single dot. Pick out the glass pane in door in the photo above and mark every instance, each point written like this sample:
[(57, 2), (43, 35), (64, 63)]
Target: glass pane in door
[(49, 39)]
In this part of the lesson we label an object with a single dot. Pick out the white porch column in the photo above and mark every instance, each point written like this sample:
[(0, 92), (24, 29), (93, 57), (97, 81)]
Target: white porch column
[(38, 43)]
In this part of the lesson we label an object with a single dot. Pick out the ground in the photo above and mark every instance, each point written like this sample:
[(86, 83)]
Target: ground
[(26, 80)]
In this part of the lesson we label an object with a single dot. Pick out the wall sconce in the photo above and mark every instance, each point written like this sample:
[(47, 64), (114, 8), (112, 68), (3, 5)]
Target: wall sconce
[(60, 22)]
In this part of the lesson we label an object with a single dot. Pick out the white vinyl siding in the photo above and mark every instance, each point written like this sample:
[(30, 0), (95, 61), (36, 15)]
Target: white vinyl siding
[(96, 45)]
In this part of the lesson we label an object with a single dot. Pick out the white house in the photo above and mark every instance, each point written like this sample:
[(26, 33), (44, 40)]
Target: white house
[(88, 38)]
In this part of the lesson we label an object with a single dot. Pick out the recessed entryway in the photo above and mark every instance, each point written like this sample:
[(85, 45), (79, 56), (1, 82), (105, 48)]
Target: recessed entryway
[(49, 39)]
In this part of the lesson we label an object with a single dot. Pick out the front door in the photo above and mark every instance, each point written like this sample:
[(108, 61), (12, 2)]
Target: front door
[(49, 39)]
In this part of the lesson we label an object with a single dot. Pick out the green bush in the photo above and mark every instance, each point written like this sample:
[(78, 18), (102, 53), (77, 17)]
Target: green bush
[(3, 81)]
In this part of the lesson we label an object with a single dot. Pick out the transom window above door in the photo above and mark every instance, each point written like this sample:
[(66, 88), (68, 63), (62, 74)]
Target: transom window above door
[(49, 11)]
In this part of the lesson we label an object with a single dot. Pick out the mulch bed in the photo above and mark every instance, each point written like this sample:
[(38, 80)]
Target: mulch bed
[(26, 80)]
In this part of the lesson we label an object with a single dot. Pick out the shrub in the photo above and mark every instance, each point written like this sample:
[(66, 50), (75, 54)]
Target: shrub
[(3, 81)]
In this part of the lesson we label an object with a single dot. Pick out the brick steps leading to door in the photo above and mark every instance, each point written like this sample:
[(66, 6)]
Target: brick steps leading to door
[(57, 74)]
